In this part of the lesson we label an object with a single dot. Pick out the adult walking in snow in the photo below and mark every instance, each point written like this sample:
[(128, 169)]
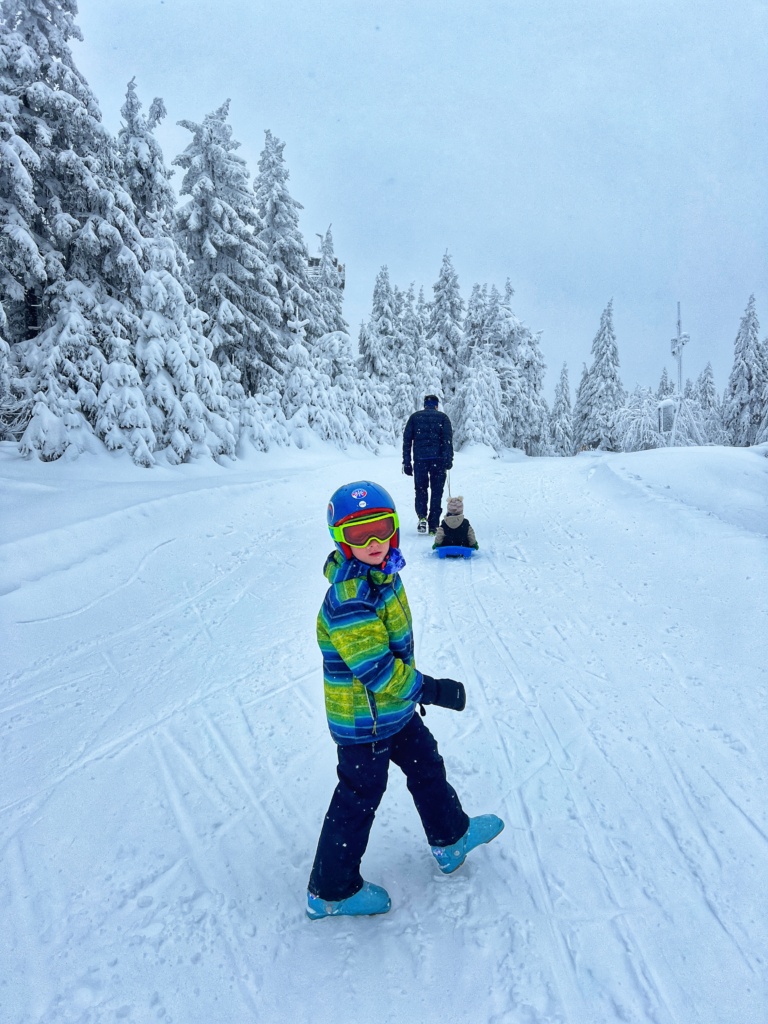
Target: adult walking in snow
[(427, 457)]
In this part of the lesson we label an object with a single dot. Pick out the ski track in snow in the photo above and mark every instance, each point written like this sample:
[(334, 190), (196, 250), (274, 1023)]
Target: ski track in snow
[(102, 597), (568, 980), (168, 764)]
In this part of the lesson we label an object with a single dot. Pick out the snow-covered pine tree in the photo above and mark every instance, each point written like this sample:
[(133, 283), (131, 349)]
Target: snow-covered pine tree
[(474, 330), (329, 289), (743, 398), (708, 408), (546, 446), (603, 396), (284, 245), (561, 420), (494, 329), (423, 310), (478, 405), (408, 338), (535, 439), (24, 269), (666, 387), (308, 397), (637, 422), (398, 302), (145, 175), (190, 413), (580, 411), (83, 221), (29, 260), (218, 228), (182, 385), (762, 433), (377, 357), (334, 388), (6, 376), (372, 409), (364, 359), (520, 366), (426, 372), (705, 392), (477, 409), (350, 393), (377, 339), (444, 333), (333, 356), (122, 417)]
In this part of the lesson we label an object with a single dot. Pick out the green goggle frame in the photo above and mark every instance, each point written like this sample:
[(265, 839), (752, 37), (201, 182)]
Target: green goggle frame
[(363, 530)]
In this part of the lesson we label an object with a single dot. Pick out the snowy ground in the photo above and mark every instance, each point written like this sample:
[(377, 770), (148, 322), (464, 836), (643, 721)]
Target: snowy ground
[(166, 764)]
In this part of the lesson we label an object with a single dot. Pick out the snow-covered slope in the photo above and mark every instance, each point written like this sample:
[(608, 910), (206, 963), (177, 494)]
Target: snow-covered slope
[(166, 764)]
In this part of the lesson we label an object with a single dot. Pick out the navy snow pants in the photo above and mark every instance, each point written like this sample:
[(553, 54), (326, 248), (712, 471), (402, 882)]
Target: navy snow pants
[(429, 475), (362, 772)]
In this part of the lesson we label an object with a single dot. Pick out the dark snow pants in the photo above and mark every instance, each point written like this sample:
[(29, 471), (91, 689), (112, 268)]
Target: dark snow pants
[(362, 773), (429, 475)]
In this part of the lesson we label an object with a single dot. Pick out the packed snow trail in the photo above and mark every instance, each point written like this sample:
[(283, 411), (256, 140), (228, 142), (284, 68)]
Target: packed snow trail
[(167, 763)]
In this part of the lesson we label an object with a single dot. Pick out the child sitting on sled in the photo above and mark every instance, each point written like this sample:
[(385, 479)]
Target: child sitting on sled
[(455, 530)]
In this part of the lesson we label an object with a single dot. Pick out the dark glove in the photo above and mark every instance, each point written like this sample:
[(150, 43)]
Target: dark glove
[(445, 693), (408, 470)]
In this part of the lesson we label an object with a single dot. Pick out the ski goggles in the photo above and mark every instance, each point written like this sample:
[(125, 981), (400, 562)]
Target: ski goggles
[(358, 533)]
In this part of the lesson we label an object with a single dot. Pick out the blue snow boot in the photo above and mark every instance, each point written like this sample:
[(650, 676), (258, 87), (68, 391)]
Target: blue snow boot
[(481, 830), (371, 899)]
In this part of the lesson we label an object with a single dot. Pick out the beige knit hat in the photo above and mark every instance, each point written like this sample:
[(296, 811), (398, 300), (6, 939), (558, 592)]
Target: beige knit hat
[(456, 506)]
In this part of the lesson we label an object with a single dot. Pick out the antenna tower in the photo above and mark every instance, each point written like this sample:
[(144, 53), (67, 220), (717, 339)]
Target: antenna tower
[(682, 412)]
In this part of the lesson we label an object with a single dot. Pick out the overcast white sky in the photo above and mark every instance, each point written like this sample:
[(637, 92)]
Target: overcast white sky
[(587, 151)]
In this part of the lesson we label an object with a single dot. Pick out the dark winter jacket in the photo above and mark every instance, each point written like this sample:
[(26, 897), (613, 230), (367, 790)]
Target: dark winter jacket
[(428, 432), (455, 531), (365, 633)]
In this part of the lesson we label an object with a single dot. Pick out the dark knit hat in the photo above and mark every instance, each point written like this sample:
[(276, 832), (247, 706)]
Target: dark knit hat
[(431, 400), (456, 506)]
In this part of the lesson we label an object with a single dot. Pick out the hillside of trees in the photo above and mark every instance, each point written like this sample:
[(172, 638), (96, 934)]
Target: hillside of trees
[(176, 327)]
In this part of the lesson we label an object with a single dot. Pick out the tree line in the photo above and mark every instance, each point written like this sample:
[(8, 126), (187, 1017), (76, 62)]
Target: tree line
[(179, 328)]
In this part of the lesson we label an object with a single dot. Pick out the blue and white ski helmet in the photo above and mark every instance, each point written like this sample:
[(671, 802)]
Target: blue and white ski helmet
[(360, 498)]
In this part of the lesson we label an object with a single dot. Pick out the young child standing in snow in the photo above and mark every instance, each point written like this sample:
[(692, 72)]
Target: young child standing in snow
[(372, 687), (455, 530)]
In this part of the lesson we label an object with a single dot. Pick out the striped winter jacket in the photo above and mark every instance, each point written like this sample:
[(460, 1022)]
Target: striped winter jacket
[(365, 633)]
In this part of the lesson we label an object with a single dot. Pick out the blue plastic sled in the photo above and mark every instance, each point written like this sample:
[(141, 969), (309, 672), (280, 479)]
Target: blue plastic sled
[(454, 551)]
